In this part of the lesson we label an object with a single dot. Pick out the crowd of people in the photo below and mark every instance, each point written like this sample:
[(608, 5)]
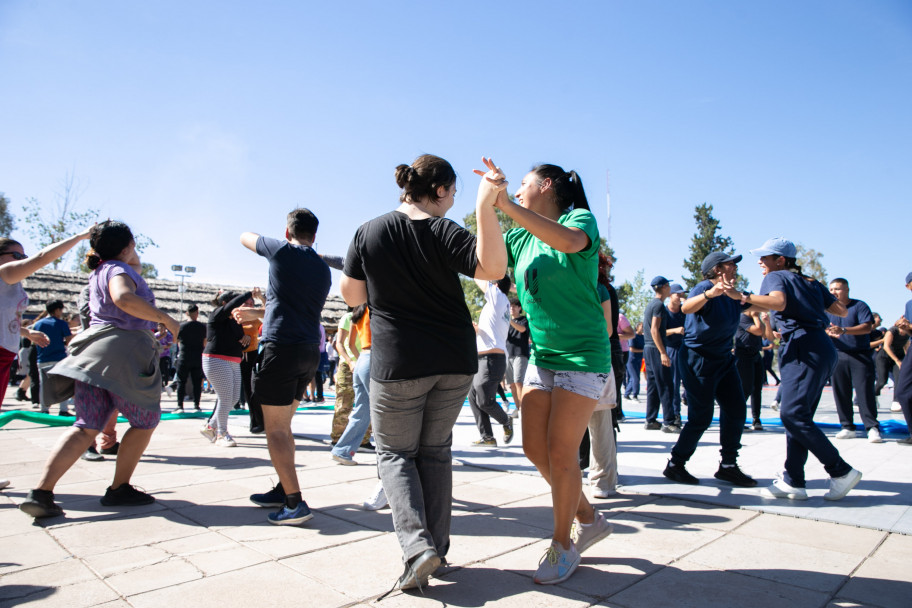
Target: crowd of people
[(409, 355)]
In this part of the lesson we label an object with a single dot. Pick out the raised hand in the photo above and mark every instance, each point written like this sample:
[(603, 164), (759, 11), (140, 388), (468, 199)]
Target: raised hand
[(493, 175)]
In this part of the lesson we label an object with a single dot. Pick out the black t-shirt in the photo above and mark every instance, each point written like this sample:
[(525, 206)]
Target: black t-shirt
[(675, 319), (615, 315), (747, 344), (223, 332), (420, 325), (518, 341), (899, 343), (655, 308), (191, 337)]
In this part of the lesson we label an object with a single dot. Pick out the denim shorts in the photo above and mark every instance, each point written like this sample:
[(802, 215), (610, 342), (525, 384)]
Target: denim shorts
[(586, 384)]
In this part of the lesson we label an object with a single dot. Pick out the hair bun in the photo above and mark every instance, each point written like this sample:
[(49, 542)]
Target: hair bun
[(404, 174)]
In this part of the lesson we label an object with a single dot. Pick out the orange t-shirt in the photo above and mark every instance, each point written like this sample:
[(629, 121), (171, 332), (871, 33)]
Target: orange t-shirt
[(364, 330), (252, 329)]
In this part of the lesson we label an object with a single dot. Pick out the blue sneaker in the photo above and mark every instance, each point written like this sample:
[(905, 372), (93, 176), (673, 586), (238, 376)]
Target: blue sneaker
[(273, 498), (291, 517)]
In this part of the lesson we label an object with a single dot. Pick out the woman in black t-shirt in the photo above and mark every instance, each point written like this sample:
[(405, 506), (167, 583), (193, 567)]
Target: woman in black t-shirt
[(406, 266)]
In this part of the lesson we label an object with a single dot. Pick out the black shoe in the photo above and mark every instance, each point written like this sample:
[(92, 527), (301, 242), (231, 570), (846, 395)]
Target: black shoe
[(367, 448), (508, 431), (418, 570), (126, 496), (196, 407), (671, 428), (92, 455), (734, 475), (652, 426), (320, 400), (273, 498), (179, 409), (111, 451), (677, 473), (21, 396), (257, 429), (40, 503)]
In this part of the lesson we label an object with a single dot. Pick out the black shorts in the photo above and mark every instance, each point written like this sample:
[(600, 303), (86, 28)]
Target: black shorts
[(284, 372)]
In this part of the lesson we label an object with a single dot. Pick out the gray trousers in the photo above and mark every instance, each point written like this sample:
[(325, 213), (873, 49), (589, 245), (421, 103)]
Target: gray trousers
[(603, 472), (483, 394), (413, 430)]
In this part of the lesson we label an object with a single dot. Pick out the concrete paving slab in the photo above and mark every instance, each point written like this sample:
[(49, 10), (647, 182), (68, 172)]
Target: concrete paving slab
[(695, 513), (173, 571), (280, 584), (688, 585), (22, 583), (213, 553), (80, 595), (139, 530), (813, 534), (30, 550), (478, 537)]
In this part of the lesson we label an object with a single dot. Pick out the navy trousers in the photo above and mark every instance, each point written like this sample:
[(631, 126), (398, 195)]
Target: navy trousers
[(902, 388), (707, 380), (633, 374), (658, 387), (854, 370), (805, 363)]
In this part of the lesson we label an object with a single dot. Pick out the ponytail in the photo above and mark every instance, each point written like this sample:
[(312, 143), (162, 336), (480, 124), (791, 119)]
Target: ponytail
[(567, 187)]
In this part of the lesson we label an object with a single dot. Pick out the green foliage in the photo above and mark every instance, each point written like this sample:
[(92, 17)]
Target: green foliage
[(705, 241), (633, 297), (7, 221), (810, 262), (149, 271), (474, 299)]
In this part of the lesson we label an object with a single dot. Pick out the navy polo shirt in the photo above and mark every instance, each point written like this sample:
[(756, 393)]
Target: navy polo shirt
[(805, 301), (675, 319), (908, 313), (710, 330), (859, 313), (655, 308)]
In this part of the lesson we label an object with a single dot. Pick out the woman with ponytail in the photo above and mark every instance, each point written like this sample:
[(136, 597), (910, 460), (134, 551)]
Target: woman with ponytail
[(555, 258), (111, 366), (806, 360)]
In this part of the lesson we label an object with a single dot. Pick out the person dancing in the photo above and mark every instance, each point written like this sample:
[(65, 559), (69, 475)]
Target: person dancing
[(806, 360), (555, 256)]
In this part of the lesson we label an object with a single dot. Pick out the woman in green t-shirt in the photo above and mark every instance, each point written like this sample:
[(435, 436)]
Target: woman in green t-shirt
[(555, 259)]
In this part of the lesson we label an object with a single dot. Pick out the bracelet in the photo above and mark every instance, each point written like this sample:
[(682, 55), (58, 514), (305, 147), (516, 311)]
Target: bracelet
[(706, 296)]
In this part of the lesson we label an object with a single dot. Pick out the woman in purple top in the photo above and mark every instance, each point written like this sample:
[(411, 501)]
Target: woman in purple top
[(114, 366)]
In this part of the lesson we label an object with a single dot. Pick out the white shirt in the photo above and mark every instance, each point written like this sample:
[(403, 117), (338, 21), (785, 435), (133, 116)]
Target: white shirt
[(13, 302), (494, 320)]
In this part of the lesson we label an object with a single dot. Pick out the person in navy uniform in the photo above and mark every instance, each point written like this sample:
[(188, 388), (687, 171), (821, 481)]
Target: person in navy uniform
[(806, 360), (709, 372), (674, 336), (658, 364), (902, 387), (851, 336)]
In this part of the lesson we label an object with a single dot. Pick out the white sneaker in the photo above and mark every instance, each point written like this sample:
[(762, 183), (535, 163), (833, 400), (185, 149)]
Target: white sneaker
[(584, 536), (169, 390), (377, 500), (780, 489), (208, 432), (602, 492), (4, 483), (774, 406), (874, 435), (226, 441), (840, 486), (514, 414), (895, 407), (846, 434)]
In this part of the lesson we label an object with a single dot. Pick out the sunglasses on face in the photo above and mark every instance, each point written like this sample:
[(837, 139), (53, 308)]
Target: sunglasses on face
[(16, 255)]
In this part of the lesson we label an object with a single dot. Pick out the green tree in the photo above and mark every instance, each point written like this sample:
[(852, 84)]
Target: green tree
[(7, 221), (633, 297), (705, 241), (810, 262), (48, 225)]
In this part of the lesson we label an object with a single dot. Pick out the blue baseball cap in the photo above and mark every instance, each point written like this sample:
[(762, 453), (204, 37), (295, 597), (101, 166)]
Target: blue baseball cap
[(658, 281), (777, 246), (676, 288), (715, 258), (909, 278)]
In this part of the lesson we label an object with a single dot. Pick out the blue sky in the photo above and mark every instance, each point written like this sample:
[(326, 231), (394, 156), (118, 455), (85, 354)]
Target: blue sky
[(196, 121)]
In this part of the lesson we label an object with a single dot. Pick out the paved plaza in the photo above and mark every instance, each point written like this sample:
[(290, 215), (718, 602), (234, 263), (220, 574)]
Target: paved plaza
[(204, 544)]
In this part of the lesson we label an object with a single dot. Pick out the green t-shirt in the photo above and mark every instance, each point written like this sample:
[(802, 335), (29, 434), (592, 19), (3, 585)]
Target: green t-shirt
[(559, 295)]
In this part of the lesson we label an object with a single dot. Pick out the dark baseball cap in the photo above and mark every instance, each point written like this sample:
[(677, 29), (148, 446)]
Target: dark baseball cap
[(658, 281), (676, 288), (715, 258)]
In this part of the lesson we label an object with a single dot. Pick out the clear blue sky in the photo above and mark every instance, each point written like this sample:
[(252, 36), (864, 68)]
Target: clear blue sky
[(196, 121)]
